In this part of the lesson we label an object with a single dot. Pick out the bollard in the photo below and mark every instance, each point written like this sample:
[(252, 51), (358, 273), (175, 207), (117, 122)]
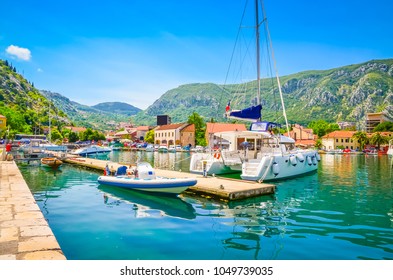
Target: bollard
[(204, 163)]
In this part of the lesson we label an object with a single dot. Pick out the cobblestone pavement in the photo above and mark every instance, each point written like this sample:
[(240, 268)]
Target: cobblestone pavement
[(24, 232)]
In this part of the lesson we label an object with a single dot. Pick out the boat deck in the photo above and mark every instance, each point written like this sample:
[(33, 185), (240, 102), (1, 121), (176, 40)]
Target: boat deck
[(214, 187)]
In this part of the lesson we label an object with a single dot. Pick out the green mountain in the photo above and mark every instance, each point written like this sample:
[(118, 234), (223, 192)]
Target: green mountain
[(117, 108), (181, 102), (26, 109), (87, 116), (346, 93), (342, 94)]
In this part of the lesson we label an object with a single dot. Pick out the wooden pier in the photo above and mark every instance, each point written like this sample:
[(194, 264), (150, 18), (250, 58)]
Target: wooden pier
[(211, 187)]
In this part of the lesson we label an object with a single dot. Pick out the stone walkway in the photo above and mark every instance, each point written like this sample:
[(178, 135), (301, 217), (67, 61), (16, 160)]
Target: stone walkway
[(24, 232)]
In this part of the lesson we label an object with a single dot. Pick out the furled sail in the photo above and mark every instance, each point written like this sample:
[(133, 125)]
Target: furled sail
[(252, 113)]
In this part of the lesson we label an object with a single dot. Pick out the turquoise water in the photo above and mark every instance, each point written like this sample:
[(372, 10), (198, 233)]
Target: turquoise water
[(344, 211)]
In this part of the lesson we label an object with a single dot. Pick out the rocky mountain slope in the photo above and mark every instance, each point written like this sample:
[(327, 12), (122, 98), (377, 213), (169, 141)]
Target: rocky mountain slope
[(93, 117), (26, 109), (342, 94), (345, 93)]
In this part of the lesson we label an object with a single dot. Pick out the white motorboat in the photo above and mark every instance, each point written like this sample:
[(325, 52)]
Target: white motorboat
[(144, 178), (93, 149), (163, 149), (172, 149), (149, 148), (52, 147)]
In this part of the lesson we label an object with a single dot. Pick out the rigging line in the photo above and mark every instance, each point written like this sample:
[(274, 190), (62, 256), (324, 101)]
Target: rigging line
[(232, 55), (243, 85), (275, 68), (258, 53), (271, 75)]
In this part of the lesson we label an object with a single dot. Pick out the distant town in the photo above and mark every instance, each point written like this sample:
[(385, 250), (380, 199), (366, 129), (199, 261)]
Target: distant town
[(343, 137)]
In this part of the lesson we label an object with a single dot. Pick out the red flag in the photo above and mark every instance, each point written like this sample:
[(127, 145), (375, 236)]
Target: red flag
[(228, 107)]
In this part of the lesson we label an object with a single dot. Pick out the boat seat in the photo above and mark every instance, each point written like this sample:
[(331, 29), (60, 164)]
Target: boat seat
[(122, 170)]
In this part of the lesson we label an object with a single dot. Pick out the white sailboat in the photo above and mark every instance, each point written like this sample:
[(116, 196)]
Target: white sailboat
[(259, 154)]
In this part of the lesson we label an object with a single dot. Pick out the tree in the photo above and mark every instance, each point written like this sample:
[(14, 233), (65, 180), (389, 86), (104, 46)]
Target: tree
[(322, 127), (55, 135), (72, 137), (200, 128), (318, 144), (384, 126), (149, 137), (377, 139), (90, 134), (362, 138)]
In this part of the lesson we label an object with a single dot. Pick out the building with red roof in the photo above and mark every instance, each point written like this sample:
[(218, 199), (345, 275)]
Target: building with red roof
[(175, 134), (340, 138), (212, 128), (304, 137)]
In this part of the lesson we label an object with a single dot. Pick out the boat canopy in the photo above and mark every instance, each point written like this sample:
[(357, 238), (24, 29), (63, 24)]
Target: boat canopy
[(264, 126), (286, 140), (252, 113)]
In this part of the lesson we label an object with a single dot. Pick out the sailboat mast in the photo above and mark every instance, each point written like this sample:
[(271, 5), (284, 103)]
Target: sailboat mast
[(276, 70), (258, 53), (49, 130)]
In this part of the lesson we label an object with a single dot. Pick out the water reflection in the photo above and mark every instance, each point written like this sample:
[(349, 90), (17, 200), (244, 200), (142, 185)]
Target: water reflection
[(142, 202), (248, 223), (172, 161), (347, 205)]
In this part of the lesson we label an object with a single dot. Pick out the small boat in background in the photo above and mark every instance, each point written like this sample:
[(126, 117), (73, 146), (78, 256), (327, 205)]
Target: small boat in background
[(144, 179), (149, 148), (172, 149), (51, 162), (163, 149), (93, 149)]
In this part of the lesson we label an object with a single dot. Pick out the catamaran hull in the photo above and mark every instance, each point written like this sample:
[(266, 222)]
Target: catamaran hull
[(277, 167), (159, 185), (213, 166)]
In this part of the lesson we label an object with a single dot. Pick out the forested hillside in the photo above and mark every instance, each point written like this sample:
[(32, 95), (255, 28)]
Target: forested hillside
[(342, 94), (26, 109)]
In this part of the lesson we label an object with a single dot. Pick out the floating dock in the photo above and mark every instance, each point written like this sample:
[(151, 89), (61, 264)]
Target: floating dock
[(212, 187)]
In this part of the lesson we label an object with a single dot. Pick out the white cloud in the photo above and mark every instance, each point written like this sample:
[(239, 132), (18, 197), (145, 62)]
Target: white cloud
[(18, 52), (40, 70)]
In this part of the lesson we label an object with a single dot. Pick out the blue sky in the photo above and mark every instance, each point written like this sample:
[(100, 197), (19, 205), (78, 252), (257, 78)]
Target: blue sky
[(133, 51)]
